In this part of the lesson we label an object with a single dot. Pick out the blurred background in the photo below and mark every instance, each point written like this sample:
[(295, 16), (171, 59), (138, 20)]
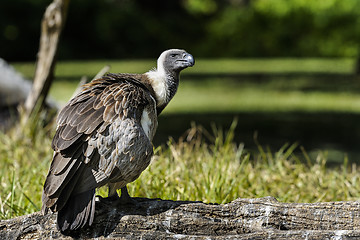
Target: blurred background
[(115, 29), (286, 71)]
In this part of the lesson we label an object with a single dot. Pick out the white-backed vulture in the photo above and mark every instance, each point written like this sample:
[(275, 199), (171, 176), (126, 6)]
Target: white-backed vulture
[(104, 136)]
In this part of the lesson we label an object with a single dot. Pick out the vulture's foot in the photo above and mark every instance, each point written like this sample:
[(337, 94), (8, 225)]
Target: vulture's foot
[(125, 198)]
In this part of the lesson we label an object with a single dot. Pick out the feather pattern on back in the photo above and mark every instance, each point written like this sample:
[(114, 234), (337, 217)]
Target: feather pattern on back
[(97, 132)]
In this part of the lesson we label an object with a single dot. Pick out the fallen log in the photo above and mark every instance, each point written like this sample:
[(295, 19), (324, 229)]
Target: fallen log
[(164, 219)]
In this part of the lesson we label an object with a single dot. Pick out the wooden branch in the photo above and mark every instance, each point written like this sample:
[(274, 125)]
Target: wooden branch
[(243, 218), (51, 26), (102, 72)]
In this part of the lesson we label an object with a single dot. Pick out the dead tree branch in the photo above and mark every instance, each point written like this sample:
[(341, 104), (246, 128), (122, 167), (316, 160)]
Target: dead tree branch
[(241, 219), (51, 26)]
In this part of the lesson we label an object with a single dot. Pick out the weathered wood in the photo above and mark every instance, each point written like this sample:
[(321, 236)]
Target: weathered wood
[(51, 26), (241, 219)]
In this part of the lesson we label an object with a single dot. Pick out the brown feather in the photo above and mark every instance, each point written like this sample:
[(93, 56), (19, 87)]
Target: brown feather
[(55, 183), (97, 133), (85, 106), (65, 114), (109, 113), (69, 132)]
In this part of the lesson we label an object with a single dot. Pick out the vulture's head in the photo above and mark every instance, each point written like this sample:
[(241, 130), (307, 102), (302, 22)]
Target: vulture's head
[(165, 78), (175, 60)]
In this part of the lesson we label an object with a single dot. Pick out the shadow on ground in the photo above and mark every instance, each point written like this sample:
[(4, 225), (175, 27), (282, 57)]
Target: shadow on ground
[(336, 133), (300, 81)]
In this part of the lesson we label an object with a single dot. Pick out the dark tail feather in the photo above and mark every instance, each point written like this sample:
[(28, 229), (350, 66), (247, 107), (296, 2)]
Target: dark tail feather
[(57, 201), (78, 212)]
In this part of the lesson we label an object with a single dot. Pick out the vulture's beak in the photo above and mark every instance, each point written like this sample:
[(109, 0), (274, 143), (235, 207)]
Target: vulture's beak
[(189, 59)]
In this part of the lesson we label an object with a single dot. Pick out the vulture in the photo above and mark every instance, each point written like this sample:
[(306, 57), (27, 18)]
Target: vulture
[(104, 136)]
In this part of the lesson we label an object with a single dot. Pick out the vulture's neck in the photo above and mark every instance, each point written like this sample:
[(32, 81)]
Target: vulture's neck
[(165, 85)]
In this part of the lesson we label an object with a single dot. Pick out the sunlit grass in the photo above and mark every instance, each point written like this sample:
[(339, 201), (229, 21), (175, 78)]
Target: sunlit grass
[(209, 66), (219, 97), (223, 94), (195, 98), (274, 65), (202, 166), (25, 154), (219, 170)]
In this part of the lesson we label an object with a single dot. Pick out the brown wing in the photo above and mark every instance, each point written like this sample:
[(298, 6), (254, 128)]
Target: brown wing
[(91, 129)]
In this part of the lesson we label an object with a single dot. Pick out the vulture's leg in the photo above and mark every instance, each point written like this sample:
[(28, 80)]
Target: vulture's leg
[(112, 191), (114, 198), (125, 197)]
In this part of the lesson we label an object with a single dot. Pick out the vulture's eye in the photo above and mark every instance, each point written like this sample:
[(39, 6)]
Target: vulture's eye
[(173, 55)]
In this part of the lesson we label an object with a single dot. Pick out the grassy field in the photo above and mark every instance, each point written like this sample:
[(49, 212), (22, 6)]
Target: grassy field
[(207, 165), (203, 166), (234, 85)]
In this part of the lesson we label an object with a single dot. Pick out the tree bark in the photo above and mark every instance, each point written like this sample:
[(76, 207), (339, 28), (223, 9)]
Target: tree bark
[(51, 26), (163, 219)]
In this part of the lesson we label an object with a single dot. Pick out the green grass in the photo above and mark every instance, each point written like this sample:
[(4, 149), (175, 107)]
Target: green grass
[(215, 96), (229, 66), (203, 166), (25, 154), (287, 65), (221, 171), (275, 94), (236, 96)]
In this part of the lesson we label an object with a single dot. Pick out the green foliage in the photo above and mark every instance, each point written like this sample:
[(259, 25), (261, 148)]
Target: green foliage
[(201, 6), (288, 28), (206, 28)]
